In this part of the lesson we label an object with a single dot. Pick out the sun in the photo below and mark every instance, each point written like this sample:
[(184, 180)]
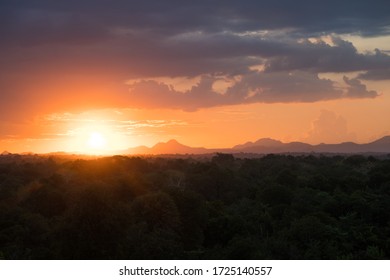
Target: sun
[(96, 141), (96, 137)]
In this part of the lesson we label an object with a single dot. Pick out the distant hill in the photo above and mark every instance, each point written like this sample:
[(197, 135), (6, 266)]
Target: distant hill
[(381, 145), (170, 147), (264, 142), (266, 146)]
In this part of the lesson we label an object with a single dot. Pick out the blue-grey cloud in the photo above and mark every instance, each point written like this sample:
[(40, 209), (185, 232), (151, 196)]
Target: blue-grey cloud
[(314, 16), (322, 57), (358, 90), (375, 75), (253, 87), (52, 50)]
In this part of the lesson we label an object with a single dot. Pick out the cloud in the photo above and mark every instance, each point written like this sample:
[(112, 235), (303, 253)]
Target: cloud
[(358, 90), (375, 75), (252, 87), (322, 57), (296, 86), (329, 128), (35, 26), (78, 54), (177, 17), (152, 94)]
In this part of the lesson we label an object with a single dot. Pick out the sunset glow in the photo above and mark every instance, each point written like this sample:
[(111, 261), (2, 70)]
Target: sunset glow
[(194, 130), (96, 141), (112, 82)]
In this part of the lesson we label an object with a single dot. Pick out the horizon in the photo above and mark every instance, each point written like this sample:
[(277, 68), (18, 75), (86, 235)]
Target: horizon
[(95, 77), (238, 148)]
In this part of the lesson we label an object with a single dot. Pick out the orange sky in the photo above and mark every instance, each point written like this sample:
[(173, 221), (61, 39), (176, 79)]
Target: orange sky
[(121, 74), (329, 121), (57, 129)]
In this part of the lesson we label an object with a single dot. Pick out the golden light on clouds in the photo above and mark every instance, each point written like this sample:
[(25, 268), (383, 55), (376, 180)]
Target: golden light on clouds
[(110, 82)]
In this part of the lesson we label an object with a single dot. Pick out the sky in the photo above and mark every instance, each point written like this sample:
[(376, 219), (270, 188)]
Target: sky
[(99, 76)]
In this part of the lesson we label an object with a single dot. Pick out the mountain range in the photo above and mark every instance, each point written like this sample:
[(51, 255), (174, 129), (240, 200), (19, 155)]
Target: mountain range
[(266, 146)]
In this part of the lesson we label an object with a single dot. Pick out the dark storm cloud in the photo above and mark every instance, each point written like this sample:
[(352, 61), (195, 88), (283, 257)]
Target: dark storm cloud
[(322, 57), (376, 75), (51, 49), (366, 17), (358, 90), (254, 87)]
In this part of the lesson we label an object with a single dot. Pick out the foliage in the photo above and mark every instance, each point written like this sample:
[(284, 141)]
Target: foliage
[(273, 207)]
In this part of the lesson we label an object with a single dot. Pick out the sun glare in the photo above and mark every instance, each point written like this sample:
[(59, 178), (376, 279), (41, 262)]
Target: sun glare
[(96, 141), (95, 135)]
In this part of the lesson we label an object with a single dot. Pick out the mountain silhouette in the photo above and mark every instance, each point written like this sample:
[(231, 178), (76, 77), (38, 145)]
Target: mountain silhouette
[(170, 147), (382, 142), (266, 146), (263, 142)]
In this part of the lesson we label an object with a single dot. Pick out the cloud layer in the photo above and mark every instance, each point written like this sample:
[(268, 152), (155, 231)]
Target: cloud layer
[(329, 128), (74, 53)]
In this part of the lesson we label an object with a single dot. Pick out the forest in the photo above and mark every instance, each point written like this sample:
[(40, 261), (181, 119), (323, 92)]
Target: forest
[(218, 207)]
